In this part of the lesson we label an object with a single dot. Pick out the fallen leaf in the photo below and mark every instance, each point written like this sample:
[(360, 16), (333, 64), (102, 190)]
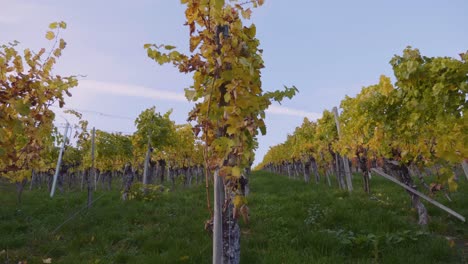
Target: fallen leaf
[(451, 243)]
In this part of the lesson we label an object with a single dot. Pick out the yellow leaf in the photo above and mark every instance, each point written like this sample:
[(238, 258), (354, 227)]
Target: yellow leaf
[(227, 97), (236, 172), (50, 35), (62, 44), (194, 41), (53, 25), (231, 130), (225, 171), (246, 13), (453, 186), (239, 200), (451, 243), (47, 260), (218, 4)]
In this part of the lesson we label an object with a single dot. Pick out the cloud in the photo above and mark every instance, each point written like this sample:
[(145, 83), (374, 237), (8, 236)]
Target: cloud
[(91, 86), (129, 90), (281, 110)]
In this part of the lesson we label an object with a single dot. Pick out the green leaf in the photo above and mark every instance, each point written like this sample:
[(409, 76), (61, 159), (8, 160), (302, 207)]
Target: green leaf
[(450, 156), (437, 88), (228, 75), (23, 108), (251, 31), (262, 127), (17, 127), (244, 61), (190, 94)]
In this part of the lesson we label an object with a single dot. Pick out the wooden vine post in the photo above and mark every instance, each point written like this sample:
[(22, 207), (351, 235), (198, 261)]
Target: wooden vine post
[(230, 105), (59, 161), (93, 149), (218, 219), (146, 164), (91, 175), (465, 167), (345, 160)]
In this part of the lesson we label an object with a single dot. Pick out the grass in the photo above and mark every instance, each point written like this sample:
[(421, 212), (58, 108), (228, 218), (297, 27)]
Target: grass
[(291, 222)]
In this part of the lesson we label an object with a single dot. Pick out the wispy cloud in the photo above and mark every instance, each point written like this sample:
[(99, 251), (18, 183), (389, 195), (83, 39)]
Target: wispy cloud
[(130, 90), (91, 86), (281, 110)]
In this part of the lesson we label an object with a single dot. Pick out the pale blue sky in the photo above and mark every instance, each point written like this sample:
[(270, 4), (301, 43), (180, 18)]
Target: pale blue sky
[(326, 48)]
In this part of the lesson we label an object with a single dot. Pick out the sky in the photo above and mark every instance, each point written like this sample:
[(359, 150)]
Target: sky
[(327, 49)]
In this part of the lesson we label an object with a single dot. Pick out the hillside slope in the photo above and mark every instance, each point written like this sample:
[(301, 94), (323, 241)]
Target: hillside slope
[(290, 223)]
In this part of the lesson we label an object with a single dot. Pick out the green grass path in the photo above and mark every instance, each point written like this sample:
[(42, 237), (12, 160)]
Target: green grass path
[(291, 222)]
